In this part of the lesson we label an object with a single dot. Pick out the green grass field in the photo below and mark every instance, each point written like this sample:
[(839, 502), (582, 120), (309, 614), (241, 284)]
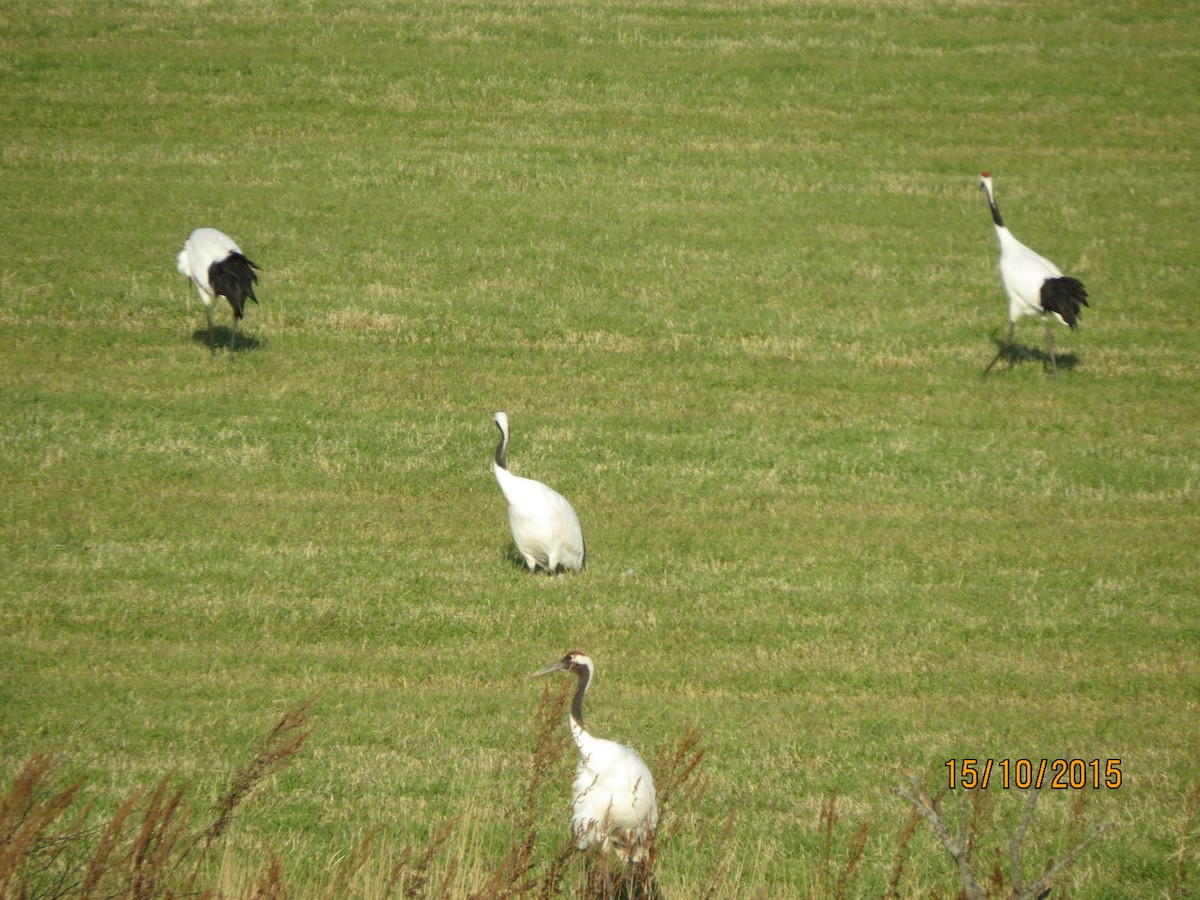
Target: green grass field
[(727, 267)]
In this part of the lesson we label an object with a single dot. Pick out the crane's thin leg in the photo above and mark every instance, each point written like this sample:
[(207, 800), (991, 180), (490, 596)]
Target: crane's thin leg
[(212, 338), (635, 877), (233, 337), (1006, 346), (1050, 347)]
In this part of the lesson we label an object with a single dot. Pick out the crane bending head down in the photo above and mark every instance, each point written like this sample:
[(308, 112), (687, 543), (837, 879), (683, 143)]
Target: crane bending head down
[(543, 523), (218, 268)]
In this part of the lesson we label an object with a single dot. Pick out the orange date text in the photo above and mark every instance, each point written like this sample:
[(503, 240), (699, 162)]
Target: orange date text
[(1056, 774)]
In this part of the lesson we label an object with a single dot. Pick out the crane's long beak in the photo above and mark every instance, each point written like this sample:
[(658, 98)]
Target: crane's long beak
[(556, 666)]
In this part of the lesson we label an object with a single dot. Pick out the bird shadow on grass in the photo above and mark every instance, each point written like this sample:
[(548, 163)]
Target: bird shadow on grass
[(220, 339), (514, 558), (1020, 354)]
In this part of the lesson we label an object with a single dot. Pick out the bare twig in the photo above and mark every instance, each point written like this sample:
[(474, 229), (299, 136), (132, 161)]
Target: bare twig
[(1042, 885), (1017, 841), (958, 852), (960, 848)]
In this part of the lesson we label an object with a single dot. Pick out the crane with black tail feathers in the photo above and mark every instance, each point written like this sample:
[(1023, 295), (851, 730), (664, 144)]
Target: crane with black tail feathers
[(1034, 285), (613, 801), (218, 268), (543, 523)]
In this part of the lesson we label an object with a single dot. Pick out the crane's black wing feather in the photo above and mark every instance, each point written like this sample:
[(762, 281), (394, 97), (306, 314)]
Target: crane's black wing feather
[(233, 278), (1064, 296)]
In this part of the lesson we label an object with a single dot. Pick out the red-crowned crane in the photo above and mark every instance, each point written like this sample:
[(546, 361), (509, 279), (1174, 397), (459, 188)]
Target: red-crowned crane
[(1034, 285), (613, 804), (543, 523), (218, 268)]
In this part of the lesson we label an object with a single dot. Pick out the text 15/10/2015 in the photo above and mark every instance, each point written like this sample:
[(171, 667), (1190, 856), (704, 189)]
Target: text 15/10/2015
[(1057, 774)]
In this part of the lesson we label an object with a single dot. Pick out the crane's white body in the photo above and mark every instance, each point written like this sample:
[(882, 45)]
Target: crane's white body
[(208, 255), (614, 806), (204, 247), (614, 803), (543, 523)]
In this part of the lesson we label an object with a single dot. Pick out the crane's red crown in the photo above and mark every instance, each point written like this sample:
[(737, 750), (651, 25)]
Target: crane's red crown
[(985, 174)]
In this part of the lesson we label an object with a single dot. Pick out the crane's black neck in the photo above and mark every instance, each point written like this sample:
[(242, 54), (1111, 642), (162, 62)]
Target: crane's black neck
[(500, 447), (584, 673), (995, 211)]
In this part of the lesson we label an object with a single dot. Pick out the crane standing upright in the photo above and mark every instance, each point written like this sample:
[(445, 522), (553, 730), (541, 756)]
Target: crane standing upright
[(218, 268), (614, 804), (1034, 285)]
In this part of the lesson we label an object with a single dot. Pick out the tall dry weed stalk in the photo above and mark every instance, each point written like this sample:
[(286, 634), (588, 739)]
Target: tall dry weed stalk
[(145, 850), (26, 814), (270, 886), (719, 871), (833, 880), (282, 743), (413, 873), (526, 869), (900, 858), (549, 769), (523, 872)]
